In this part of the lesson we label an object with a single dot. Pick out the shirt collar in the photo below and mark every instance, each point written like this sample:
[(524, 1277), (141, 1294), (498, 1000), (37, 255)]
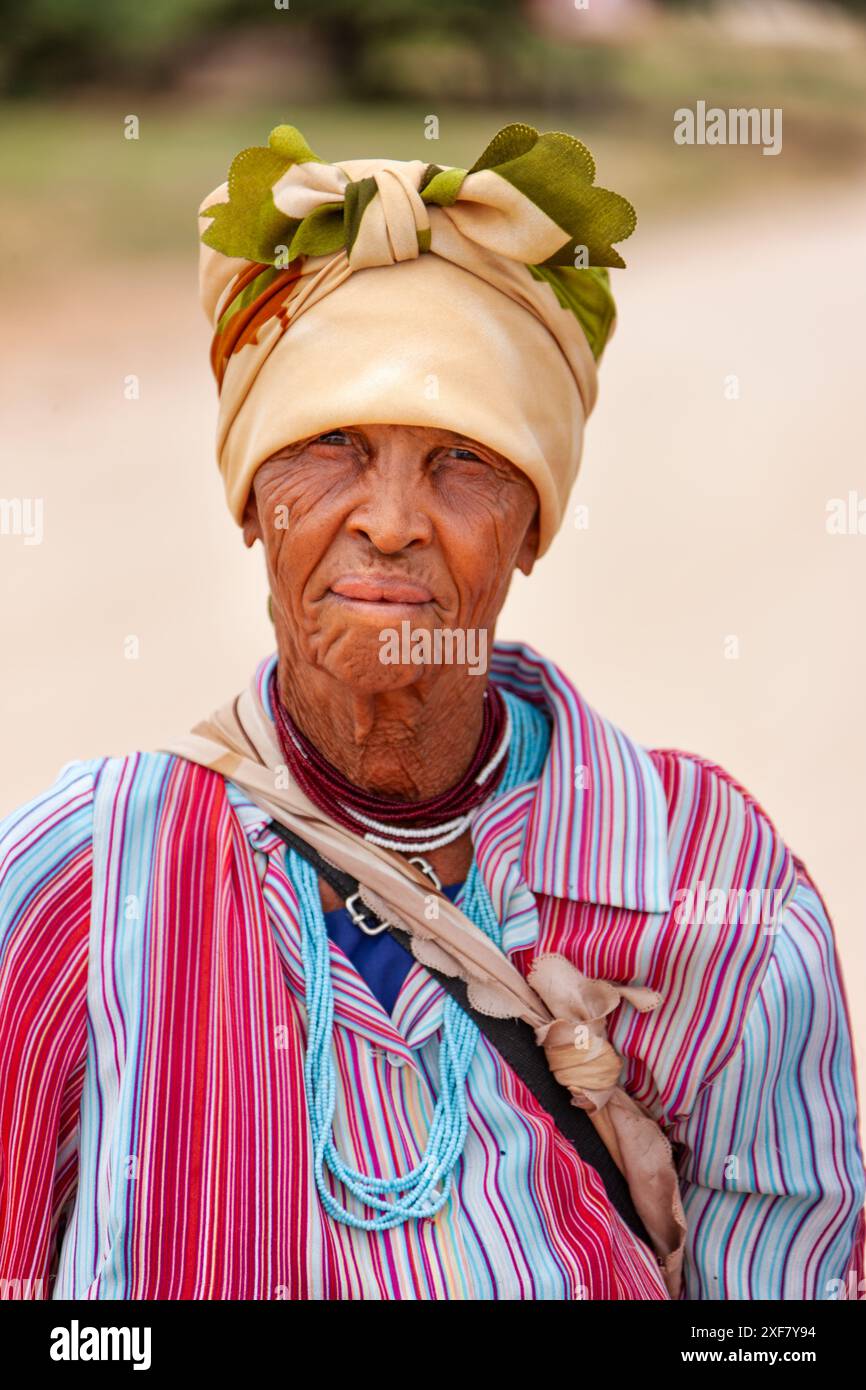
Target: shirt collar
[(594, 828)]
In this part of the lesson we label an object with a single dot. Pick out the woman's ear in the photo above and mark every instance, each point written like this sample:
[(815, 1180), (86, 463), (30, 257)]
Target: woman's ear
[(529, 549), (251, 528)]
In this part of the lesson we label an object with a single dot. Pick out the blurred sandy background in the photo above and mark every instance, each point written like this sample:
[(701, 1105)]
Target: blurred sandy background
[(707, 515)]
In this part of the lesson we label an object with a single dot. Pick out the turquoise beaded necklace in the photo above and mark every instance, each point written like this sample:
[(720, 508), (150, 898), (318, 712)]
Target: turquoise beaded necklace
[(426, 1189)]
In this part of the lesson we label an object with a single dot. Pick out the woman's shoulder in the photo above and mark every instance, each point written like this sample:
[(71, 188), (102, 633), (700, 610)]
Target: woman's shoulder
[(64, 853), (719, 834), (40, 836), (684, 771), (707, 789), (45, 886), (52, 824)]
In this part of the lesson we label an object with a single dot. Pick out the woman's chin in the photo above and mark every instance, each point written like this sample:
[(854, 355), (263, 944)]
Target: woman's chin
[(360, 660)]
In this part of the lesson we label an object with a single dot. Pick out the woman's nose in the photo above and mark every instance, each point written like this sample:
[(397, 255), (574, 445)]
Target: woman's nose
[(391, 515)]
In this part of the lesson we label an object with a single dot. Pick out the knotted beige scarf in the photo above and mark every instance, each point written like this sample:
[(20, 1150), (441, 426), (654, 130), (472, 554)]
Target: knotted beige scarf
[(566, 1010)]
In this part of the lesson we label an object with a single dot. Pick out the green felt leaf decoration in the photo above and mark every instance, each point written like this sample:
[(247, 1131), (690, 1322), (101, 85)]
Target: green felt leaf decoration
[(321, 233), (511, 142), (554, 170), (444, 187), (586, 293), (288, 142), (358, 196), (250, 224)]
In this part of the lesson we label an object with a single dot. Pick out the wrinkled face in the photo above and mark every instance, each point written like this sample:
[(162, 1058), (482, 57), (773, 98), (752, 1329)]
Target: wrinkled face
[(368, 527)]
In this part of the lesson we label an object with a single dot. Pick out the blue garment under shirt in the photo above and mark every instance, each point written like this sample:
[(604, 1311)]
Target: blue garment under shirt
[(381, 960)]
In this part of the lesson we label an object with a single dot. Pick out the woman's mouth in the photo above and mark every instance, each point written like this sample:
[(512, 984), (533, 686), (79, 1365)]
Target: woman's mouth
[(380, 589)]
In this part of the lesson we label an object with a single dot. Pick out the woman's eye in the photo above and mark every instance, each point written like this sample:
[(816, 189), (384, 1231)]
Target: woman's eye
[(465, 453), (333, 437)]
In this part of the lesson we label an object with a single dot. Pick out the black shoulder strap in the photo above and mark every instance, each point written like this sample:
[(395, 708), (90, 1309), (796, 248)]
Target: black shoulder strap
[(515, 1041)]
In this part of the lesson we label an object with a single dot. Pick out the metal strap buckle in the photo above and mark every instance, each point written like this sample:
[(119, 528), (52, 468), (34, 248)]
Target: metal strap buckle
[(360, 919), (428, 870)]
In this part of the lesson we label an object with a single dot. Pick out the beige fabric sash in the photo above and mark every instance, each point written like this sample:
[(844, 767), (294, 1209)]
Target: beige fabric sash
[(565, 1009)]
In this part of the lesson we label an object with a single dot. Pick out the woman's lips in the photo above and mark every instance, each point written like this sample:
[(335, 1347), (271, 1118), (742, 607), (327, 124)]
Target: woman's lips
[(380, 590)]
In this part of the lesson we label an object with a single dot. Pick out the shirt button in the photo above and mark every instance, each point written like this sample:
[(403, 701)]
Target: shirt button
[(395, 1059)]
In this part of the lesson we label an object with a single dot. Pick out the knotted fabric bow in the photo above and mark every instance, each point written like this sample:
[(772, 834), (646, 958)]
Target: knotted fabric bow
[(565, 1009), (583, 1059), (404, 292)]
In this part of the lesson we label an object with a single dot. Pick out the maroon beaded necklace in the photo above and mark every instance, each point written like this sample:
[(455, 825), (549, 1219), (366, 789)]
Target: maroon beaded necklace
[(386, 820)]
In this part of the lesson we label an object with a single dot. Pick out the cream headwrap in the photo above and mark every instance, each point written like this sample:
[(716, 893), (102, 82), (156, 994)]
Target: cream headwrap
[(492, 327)]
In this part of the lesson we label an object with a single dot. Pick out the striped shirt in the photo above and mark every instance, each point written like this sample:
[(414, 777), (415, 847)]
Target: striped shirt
[(154, 1140)]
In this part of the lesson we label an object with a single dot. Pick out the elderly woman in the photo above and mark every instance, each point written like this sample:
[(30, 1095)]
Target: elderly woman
[(407, 974)]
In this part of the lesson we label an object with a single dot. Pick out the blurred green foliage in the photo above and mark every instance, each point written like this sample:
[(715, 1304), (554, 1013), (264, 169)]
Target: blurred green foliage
[(368, 49), (62, 44)]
